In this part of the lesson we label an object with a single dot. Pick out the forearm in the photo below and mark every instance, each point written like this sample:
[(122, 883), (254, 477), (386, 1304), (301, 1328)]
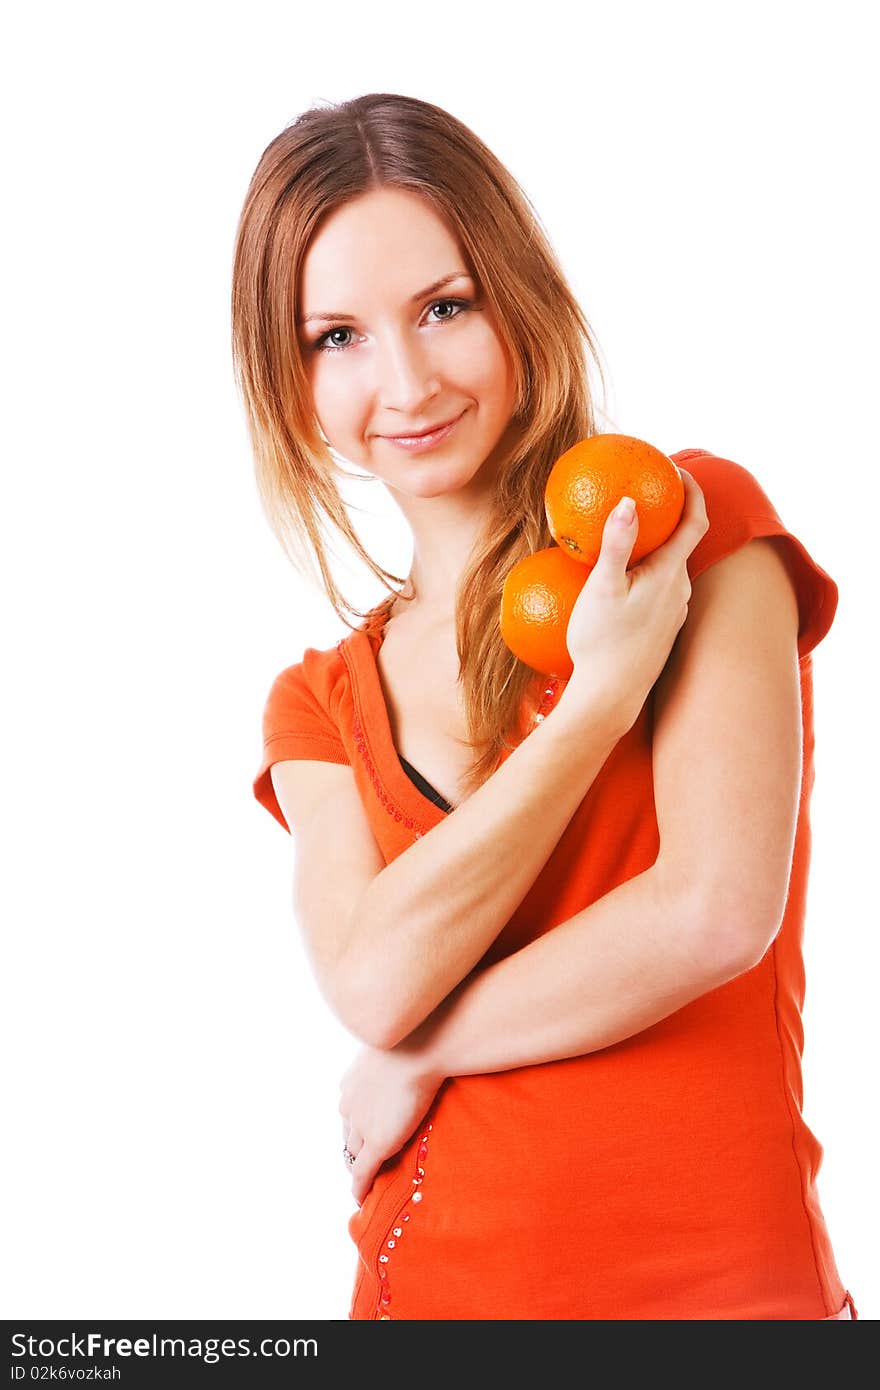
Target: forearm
[(632, 958), (431, 914)]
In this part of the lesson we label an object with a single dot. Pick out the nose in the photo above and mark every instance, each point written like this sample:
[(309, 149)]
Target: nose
[(407, 375)]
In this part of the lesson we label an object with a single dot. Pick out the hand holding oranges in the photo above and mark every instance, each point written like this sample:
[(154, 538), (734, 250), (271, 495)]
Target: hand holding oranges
[(552, 618), (624, 622)]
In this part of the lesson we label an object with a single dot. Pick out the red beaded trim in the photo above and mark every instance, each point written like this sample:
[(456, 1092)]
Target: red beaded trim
[(390, 806), (397, 1230), (548, 697)]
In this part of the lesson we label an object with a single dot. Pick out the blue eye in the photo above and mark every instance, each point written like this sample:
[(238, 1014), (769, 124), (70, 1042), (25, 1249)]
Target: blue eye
[(321, 345)]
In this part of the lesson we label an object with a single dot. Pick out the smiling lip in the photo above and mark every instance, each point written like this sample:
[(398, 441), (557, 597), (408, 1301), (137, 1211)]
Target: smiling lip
[(426, 439)]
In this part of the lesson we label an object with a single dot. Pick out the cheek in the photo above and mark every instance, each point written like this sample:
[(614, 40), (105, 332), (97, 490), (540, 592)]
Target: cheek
[(500, 387), (334, 398), (490, 371)]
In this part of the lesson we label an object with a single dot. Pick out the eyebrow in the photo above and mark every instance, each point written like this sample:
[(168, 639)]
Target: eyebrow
[(429, 289)]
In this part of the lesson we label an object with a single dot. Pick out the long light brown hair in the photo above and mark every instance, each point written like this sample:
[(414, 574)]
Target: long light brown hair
[(327, 156)]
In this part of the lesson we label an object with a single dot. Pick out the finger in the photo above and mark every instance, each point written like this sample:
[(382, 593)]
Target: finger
[(348, 1125), (694, 521), (354, 1141), (363, 1174), (618, 538)]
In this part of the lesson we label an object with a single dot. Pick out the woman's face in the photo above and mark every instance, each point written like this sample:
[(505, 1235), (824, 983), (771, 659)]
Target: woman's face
[(386, 354)]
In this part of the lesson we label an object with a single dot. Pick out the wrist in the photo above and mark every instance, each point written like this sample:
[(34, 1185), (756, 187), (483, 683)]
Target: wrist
[(422, 1051), (583, 706)]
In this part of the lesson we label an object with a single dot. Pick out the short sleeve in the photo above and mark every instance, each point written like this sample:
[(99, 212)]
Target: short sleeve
[(297, 724), (739, 510)]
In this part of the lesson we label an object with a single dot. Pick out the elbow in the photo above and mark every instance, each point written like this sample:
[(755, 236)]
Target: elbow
[(387, 1033), (386, 1025), (733, 936), (380, 1032), (366, 1006), (375, 1027), (381, 998), (365, 1019), (374, 1033)]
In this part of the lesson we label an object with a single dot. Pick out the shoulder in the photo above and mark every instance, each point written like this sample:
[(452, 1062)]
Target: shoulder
[(316, 673), (737, 506), (313, 687), (306, 717), (320, 682), (740, 510), (733, 493)]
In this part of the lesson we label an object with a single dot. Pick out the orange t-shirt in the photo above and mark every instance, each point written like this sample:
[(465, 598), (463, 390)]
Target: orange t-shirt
[(669, 1176)]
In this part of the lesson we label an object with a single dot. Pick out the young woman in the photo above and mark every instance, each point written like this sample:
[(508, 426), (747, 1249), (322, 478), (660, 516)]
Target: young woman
[(563, 916)]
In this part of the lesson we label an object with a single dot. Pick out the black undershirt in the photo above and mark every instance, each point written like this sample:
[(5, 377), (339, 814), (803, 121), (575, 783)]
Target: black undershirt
[(424, 785)]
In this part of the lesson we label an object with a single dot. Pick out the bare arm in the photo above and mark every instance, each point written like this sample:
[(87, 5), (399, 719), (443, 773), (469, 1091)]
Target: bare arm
[(388, 943), (727, 769), (727, 753), (401, 940), (445, 900)]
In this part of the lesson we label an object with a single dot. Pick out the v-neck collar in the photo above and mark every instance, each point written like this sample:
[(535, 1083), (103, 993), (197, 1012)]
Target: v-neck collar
[(359, 651)]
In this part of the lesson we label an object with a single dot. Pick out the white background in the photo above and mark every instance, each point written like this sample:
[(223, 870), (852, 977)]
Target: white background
[(707, 175)]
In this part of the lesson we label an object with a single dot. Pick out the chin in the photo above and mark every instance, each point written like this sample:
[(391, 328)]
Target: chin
[(436, 480)]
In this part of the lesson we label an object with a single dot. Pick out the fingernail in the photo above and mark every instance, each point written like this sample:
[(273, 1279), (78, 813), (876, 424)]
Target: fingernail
[(625, 510)]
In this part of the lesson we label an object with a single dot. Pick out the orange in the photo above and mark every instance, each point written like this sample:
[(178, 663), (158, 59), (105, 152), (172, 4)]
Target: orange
[(586, 483), (536, 602)]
